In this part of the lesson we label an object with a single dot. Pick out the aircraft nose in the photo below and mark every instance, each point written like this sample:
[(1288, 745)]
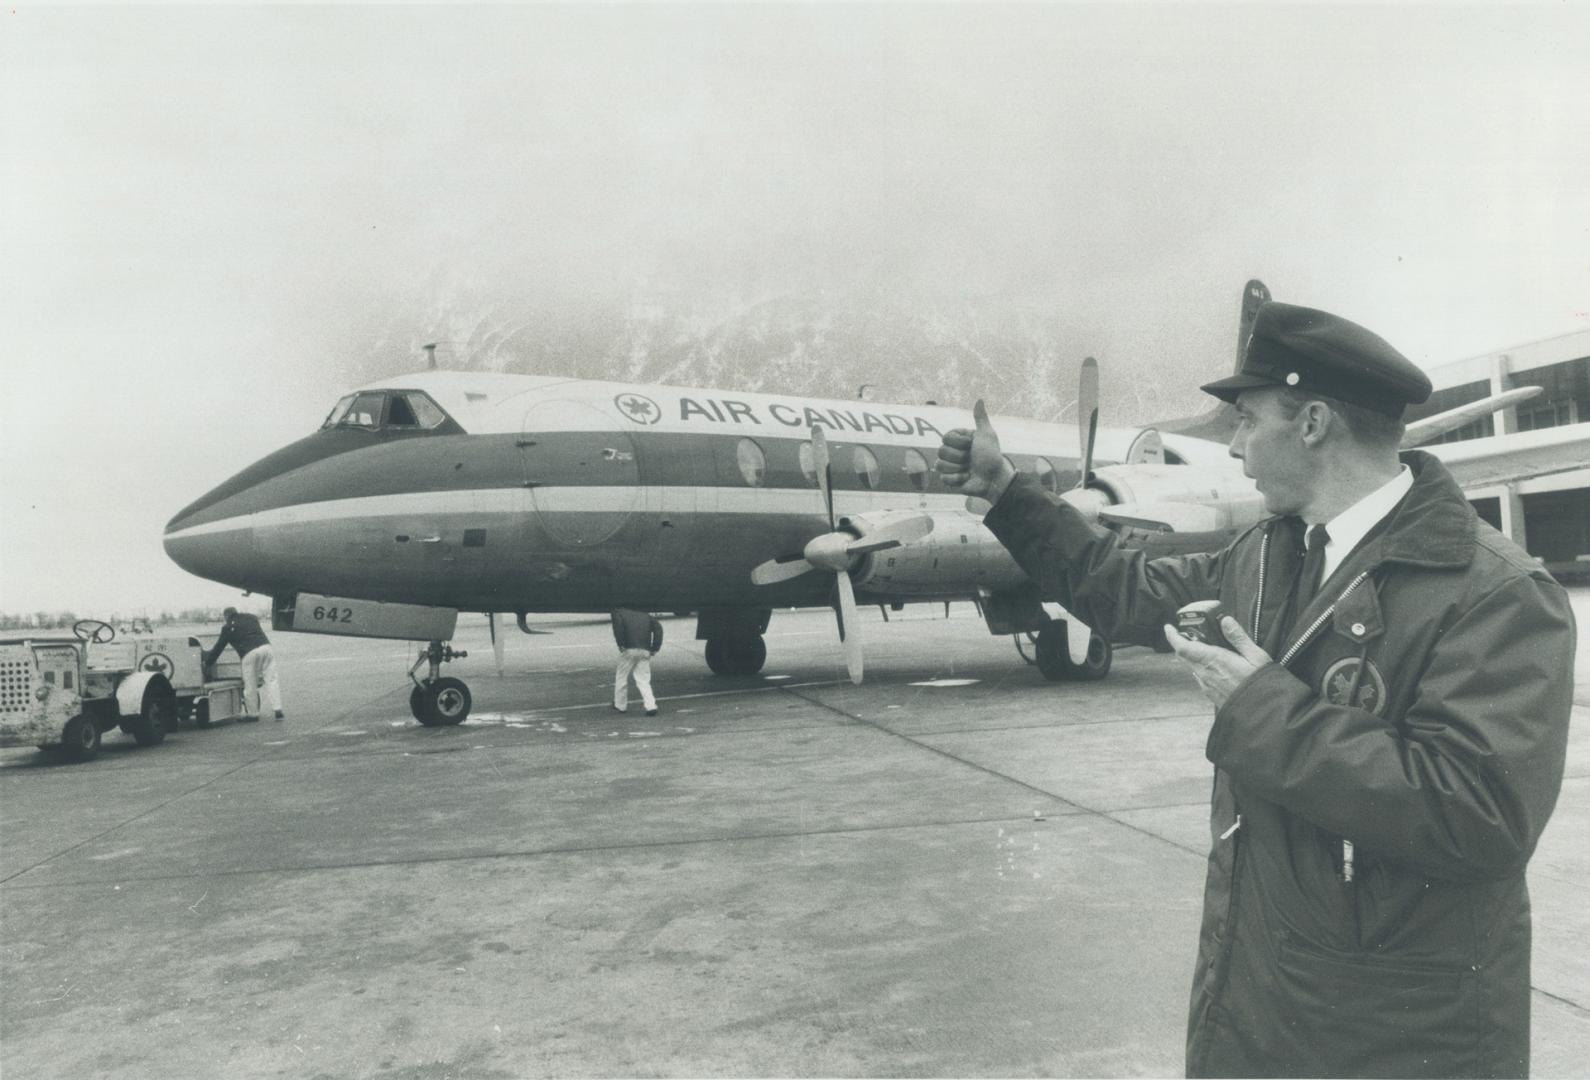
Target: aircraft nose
[(218, 550)]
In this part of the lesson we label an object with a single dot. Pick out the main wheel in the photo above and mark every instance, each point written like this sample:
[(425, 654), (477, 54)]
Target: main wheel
[(1054, 655), (444, 703), (1096, 664), (736, 656), (159, 716), (79, 739)]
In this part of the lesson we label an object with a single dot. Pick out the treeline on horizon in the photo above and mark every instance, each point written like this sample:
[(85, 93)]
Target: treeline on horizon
[(127, 624)]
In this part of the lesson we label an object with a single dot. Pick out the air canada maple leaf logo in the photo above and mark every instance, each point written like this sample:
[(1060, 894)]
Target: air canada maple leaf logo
[(639, 408)]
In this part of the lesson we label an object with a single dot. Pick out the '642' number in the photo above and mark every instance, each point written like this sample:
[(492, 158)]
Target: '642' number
[(332, 614)]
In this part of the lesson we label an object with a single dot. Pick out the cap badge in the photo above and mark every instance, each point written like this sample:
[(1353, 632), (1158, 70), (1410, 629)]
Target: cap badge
[(1291, 378)]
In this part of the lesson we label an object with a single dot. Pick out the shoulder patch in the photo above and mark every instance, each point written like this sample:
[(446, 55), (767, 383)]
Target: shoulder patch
[(1350, 681)]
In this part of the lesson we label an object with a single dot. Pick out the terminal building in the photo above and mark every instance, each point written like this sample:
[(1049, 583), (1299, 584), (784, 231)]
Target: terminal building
[(1548, 514)]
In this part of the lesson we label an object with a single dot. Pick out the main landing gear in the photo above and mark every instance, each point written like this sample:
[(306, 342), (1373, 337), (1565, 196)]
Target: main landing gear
[(437, 701), (1053, 650), (734, 638), (736, 655)]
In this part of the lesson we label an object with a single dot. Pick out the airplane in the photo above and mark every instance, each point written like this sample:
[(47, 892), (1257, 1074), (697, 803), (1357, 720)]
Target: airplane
[(424, 495)]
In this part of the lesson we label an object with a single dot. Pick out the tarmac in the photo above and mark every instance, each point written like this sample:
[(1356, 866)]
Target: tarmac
[(956, 869)]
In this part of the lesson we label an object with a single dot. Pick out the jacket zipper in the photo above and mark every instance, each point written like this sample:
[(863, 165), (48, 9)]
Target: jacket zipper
[(1258, 598), (1324, 616)]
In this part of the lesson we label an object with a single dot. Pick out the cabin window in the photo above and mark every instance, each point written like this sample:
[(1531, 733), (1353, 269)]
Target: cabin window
[(865, 462), (916, 470), (753, 463)]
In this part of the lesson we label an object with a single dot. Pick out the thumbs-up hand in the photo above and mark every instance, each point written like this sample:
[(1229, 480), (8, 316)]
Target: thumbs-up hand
[(970, 459)]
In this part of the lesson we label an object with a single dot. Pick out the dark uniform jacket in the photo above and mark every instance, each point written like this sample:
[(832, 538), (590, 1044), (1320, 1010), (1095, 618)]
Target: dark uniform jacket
[(1423, 716), (242, 633), (636, 630)]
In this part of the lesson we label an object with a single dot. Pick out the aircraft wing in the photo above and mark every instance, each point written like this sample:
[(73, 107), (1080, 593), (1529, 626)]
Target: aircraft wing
[(1502, 459)]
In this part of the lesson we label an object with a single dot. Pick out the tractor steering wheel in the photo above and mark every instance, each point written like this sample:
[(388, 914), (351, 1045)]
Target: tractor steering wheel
[(94, 630)]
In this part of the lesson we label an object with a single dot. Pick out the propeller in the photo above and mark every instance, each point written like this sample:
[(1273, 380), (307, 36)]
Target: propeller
[(1087, 416), (836, 550)]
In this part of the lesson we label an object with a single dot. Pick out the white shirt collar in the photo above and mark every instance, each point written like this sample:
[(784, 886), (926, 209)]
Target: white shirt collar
[(1350, 526)]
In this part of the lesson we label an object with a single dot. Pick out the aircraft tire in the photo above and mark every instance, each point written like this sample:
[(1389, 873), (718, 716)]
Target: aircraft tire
[(80, 739), (417, 703), (445, 702), (736, 656), (1054, 658), (1097, 664)]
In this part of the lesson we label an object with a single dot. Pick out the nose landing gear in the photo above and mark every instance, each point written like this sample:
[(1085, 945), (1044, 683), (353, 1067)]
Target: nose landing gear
[(437, 701)]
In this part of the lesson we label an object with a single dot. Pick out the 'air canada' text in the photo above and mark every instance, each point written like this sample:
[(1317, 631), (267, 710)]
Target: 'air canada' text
[(739, 412)]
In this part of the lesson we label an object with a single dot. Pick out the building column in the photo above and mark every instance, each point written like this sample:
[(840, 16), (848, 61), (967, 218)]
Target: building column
[(1506, 419), (1512, 504)]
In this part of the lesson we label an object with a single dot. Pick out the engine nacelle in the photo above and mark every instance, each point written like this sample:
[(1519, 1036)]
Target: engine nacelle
[(959, 557), (1175, 498)]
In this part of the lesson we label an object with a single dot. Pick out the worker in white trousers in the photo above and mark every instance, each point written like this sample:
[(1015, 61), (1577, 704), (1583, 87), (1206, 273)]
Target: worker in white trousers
[(242, 632), (639, 636)]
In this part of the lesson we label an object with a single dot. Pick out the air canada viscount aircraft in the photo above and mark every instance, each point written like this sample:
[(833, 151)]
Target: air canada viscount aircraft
[(425, 495)]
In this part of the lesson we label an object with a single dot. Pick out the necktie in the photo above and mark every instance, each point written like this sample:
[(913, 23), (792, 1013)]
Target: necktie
[(1308, 578)]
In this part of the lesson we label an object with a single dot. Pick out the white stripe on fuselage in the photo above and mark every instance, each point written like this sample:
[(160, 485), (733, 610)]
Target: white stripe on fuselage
[(489, 403), (611, 499)]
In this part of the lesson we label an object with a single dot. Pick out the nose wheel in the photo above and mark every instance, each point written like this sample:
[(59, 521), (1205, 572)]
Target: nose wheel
[(438, 701)]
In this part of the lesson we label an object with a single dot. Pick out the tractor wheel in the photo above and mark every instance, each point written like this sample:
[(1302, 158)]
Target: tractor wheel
[(158, 717), (79, 739)]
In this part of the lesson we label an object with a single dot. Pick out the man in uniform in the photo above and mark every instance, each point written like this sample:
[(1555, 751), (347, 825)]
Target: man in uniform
[(639, 636), (243, 633), (1390, 720)]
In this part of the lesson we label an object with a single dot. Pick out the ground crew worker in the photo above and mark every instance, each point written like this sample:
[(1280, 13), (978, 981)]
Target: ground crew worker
[(1388, 743), (242, 632), (639, 636)]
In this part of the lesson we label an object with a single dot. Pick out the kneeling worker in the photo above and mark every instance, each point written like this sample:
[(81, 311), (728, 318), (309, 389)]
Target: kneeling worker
[(639, 636), (1391, 719), (243, 633)]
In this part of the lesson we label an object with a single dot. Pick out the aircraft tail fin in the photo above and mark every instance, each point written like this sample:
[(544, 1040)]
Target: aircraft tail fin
[(1218, 424)]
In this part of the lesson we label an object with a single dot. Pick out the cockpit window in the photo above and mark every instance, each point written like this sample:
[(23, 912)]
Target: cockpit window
[(411, 408), (338, 411), (364, 412), (404, 409), (399, 414)]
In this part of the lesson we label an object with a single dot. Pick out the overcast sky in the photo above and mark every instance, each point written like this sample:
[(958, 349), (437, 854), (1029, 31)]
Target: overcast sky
[(204, 211)]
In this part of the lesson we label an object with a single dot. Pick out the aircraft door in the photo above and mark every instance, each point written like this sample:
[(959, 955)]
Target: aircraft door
[(581, 471)]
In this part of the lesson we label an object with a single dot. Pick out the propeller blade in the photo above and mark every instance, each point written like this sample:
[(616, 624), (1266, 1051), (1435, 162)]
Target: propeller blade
[(892, 534), (1088, 415), (782, 569), (496, 640), (820, 466), (849, 626)]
